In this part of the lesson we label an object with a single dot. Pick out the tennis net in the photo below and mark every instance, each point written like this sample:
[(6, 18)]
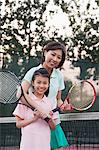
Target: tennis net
[(81, 130)]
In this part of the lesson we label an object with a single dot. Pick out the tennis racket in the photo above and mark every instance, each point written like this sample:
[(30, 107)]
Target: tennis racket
[(81, 96), (11, 91)]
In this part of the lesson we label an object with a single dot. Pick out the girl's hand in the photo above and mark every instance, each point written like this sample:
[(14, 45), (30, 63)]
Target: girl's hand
[(51, 113), (37, 113)]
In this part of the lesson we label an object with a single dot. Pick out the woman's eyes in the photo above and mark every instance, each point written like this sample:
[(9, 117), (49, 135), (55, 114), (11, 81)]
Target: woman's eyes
[(55, 55), (59, 58)]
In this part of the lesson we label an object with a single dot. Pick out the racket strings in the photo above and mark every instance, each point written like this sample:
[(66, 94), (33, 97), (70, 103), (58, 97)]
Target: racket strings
[(81, 95), (6, 84), (8, 87)]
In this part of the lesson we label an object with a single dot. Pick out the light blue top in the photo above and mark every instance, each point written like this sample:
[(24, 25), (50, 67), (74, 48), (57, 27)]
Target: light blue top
[(56, 84)]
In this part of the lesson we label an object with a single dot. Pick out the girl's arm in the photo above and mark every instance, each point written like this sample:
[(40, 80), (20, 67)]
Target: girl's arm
[(24, 122)]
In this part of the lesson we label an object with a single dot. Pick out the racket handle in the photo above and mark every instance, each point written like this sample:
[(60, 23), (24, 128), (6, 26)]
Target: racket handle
[(47, 119), (56, 109), (50, 122)]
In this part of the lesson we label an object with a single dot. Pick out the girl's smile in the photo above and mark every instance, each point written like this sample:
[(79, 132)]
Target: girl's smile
[(40, 85)]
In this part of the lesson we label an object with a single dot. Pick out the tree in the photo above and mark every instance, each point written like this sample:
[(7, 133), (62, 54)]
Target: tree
[(18, 39), (24, 31), (83, 45)]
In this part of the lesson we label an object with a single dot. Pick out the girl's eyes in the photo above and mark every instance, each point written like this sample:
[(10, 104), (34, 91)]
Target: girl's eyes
[(39, 82), (45, 83)]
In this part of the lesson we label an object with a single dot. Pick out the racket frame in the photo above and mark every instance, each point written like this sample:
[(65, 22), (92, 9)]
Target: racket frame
[(19, 84), (90, 105)]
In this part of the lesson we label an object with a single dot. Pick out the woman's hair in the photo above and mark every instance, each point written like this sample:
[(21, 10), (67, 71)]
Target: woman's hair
[(44, 73), (54, 46)]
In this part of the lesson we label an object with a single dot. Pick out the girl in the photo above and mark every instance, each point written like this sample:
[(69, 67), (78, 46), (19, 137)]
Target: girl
[(53, 58), (35, 130)]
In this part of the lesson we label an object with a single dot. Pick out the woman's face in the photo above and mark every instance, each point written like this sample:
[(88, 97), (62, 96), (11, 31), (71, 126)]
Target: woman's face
[(53, 58)]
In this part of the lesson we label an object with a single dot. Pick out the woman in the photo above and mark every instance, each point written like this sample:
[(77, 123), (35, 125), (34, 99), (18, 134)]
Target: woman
[(53, 58)]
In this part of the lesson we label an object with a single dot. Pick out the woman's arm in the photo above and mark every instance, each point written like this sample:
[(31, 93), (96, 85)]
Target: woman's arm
[(52, 124), (42, 112), (25, 85), (59, 100), (64, 106)]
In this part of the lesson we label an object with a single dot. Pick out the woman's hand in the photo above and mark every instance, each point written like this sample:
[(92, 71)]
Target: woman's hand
[(66, 106), (51, 123)]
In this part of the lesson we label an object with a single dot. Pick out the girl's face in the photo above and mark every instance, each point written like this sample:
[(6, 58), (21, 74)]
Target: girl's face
[(40, 85), (53, 58)]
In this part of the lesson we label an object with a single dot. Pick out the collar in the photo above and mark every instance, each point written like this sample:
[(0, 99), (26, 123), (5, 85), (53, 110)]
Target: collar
[(53, 74), (34, 97)]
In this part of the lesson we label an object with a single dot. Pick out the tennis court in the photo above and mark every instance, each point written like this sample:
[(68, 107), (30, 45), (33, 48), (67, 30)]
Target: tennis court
[(69, 148), (81, 129)]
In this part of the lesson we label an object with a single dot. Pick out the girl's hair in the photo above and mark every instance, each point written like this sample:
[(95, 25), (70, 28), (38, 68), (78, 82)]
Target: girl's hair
[(54, 46), (44, 73)]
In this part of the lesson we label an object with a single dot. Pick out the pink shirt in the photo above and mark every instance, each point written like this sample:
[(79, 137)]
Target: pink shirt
[(35, 136)]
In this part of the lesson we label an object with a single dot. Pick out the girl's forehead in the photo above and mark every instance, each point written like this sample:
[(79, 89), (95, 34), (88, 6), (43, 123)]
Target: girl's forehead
[(41, 77)]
